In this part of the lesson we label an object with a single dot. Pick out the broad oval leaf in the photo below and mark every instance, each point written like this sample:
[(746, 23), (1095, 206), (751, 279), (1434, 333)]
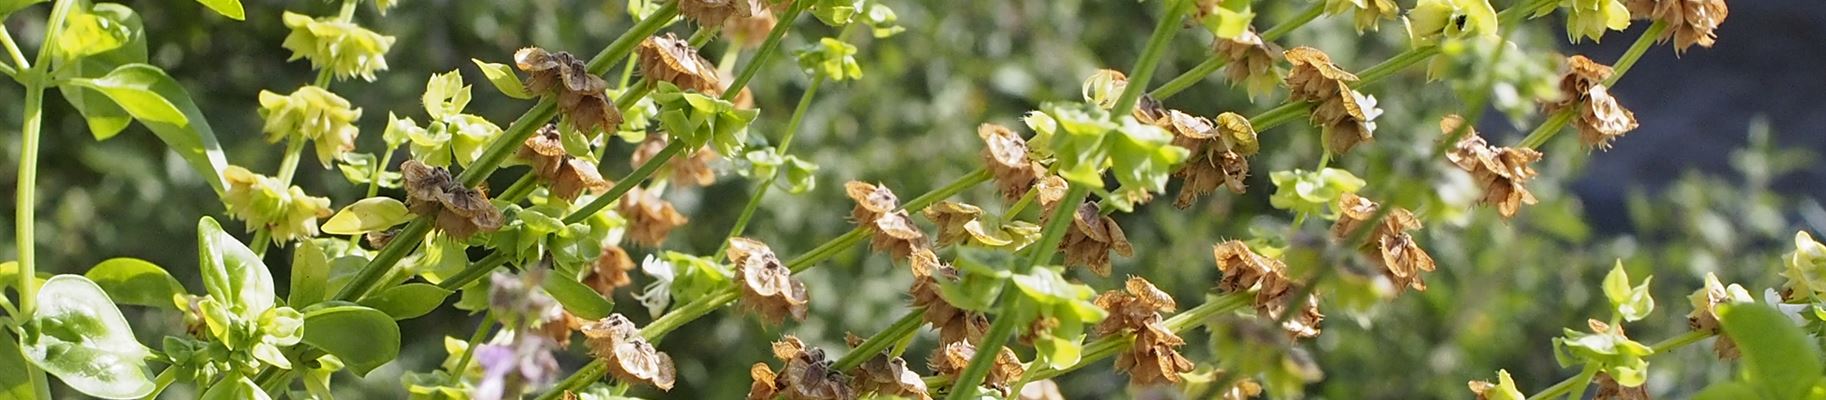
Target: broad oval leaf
[(236, 388), (363, 338), (130, 86), (577, 298), (407, 301), (228, 8), (77, 334), (104, 117), (310, 275), (368, 215), (1779, 358), (232, 272), (503, 78), (136, 282)]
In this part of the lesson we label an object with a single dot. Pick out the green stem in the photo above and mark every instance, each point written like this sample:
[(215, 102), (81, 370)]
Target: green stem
[(1556, 122), (1395, 64), (386, 159), (906, 326), (160, 382), (347, 13), (583, 377), (488, 321), (1565, 387), (1198, 73), (12, 49), (766, 184), (1144, 69), (25, 199), (519, 189), (8, 71), (1022, 203), (626, 183), (1676, 342)]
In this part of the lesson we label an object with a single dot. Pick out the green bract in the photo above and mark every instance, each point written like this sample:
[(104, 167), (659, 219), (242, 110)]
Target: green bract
[(313, 114), (1142, 157), (1311, 192), (698, 119), (1590, 18), (1048, 295), (1078, 143), (1806, 268), (834, 12), (832, 59), (882, 21), (1433, 19), (1609, 351), (88, 33), (1229, 19), (359, 169), (445, 96), (1633, 304), (368, 215), (801, 175), (264, 202), (344, 48), (77, 334)]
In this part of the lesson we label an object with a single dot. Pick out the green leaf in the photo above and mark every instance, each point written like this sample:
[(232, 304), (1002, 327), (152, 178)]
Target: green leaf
[(368, 215), (15, 383), (407, 301), (77, 334), (228, 8), (1727, 390), (235, 388), (104, 117), (577, 298), (363, 338), (1778, 357), (9, 6), (445, 95), (1633, 304), (136, 282), (86, 33), (9, 275), (504, 79), (310, 274), (130, 86), (232, 273)]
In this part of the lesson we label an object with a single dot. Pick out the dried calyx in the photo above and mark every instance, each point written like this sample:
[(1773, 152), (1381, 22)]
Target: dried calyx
[(1005, 153), (1345, 115), (650, 218), (1500, 171), (670, 59), (953, 324), (1600, 118), (1154, 356), (1219, 149), (630, 358), (768, 288), (1245, 270), (805, 375), (892, 230), (1389, 245), (566, 176), (886, 375), (1691, 22), (581, 96), (1091, 238), (458, 210), (950, 359)]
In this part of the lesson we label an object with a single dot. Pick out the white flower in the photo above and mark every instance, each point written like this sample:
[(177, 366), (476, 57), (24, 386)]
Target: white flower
[(1792, 311), (1370, 112), (657, 295)]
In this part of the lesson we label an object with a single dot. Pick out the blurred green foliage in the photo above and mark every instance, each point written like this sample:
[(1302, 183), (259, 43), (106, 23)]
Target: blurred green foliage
[(1504, 289)]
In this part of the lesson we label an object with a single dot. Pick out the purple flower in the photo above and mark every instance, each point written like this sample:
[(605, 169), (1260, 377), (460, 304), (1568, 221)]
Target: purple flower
[(509, 369)]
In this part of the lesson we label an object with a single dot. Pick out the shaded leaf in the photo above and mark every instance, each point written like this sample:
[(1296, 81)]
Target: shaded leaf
[(577, 298), (235, 388), (136, 282), (310, 274), (15, 383), (407, 301), (1779, 358), (362, 337)]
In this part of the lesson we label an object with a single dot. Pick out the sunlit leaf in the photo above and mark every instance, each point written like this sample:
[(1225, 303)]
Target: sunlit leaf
[(232, 273), (235, 388), (130, 86), (504, 79), (77, 334), (407, 301), (1779, 358), (136, 282), (310, 274), (368, 215), (15, 383), (228, 8)]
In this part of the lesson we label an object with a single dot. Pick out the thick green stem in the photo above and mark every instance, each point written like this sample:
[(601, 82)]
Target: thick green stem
[(12, 49), (1277, 31), (162, 381), (519, 189), (906, 326), (25, 200), (1006, 319), (627, 183), (1395, 64), (1150, 57)]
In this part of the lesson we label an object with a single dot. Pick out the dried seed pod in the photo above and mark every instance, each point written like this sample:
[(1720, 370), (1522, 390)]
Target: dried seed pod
[(630, 358), (896, 236), (1704, 317), (1389, 244), (1217, 157), (1091, 239), (953, 324), (714, 13), (1500, 171), (567, 176), (1602, 120), (888, 376), (670, 59), (1251, 61), (690, 169), (581, 96), (1131, 310), (872, 201), (1153, 358), (1006, 155), (1051, 189), (949, 360), (1609, 389), (458, 210), (610, 271), (951, 217), (559, 329), (1344, 114), (1581, 75), (1690, 22), (650, 218), (805, 375), (768, 288)]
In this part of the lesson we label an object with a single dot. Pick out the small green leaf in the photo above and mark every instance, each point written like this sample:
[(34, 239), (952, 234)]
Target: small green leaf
[(407, 301), (368, 215), (310, 274), (577, 298), (232, 273), (136, 282), (15, 383), (235, 388), (77, 334), (504, 79), (362, 337), (130, 86), (1778, 357), (228, 8)]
